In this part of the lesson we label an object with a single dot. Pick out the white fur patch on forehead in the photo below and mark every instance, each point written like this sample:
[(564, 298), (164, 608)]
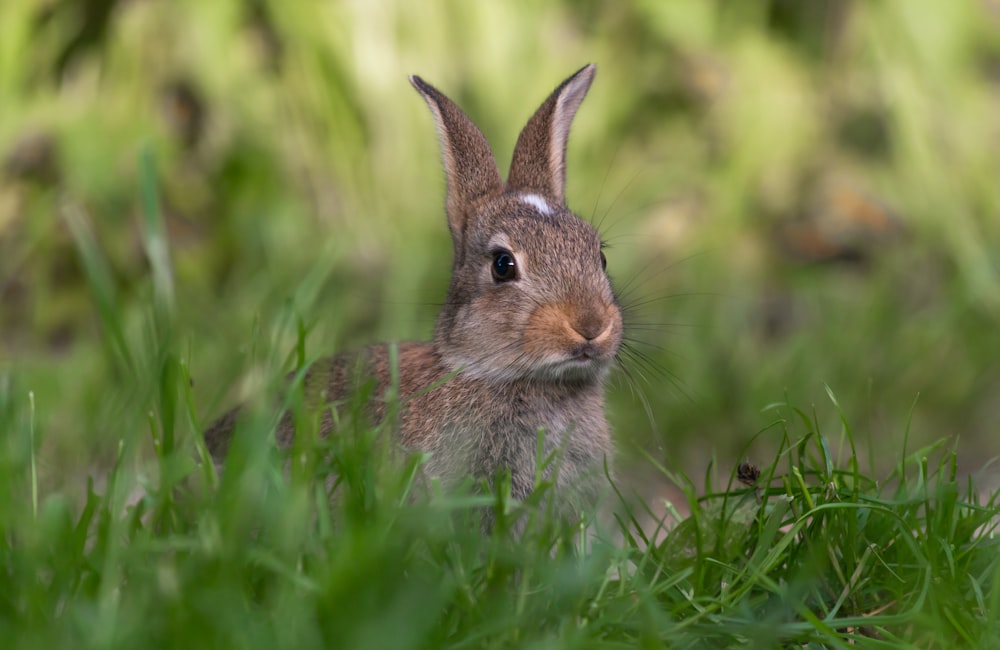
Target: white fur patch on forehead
[(537, 203)]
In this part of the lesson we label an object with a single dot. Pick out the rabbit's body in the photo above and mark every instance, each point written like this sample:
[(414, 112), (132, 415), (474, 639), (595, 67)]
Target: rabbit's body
[(528, 333), (476, 426)]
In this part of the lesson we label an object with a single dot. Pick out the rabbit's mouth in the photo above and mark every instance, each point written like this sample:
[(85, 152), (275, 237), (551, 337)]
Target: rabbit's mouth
[(586, 362), (586, 352)]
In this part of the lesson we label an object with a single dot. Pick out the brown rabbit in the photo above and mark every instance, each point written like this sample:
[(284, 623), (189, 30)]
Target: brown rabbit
[(529, 329)]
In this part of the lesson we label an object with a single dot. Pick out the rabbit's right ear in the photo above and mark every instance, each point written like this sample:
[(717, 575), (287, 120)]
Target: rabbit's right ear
[(469, 165)]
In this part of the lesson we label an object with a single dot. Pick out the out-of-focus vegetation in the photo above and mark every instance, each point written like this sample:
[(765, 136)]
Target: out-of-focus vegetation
[(803, 208), (795, 194)]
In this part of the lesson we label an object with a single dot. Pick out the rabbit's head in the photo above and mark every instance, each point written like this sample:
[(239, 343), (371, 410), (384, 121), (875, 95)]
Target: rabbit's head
[(529, 297)]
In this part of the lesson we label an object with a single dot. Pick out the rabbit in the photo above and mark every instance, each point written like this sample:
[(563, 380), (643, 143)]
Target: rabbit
[(527, 335)]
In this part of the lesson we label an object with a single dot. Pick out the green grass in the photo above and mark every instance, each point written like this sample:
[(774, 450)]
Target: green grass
[(148, 281)]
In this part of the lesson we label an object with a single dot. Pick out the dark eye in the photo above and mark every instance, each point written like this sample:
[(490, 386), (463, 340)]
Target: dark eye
[(604, 261), (503, 267)]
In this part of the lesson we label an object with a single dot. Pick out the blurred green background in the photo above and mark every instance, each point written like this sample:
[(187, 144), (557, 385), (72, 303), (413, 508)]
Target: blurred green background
[(795, 194)]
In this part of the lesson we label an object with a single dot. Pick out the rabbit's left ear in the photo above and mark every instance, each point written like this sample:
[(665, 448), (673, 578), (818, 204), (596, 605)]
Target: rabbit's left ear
[(539, 163)]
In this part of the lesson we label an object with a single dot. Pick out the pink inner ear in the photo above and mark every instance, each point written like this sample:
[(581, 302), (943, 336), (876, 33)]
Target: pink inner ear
[(562, 118)]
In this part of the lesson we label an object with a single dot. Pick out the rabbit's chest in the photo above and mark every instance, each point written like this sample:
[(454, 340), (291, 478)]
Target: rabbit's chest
[(526, 443)]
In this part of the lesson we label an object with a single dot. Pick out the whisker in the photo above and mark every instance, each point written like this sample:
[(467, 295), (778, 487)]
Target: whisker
[(621, 192), (600, 192), (675, 296)]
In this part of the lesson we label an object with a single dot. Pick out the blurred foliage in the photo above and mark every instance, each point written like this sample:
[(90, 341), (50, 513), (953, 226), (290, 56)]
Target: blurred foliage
[(795, 194)]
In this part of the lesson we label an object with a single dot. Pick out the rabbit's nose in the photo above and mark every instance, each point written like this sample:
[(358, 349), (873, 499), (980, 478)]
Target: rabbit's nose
[(589, 325)]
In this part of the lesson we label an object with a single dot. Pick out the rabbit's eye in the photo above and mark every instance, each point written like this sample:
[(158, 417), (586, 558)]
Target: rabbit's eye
[(504, 268), (604, 261)]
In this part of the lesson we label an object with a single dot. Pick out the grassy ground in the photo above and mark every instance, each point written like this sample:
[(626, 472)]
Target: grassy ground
[(196, 197)]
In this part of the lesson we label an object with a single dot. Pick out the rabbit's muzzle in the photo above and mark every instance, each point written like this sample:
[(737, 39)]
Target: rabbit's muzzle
[(572, 341)]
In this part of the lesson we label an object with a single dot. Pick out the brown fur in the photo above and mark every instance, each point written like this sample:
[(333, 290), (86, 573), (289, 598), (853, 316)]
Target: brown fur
[(512, 358)]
